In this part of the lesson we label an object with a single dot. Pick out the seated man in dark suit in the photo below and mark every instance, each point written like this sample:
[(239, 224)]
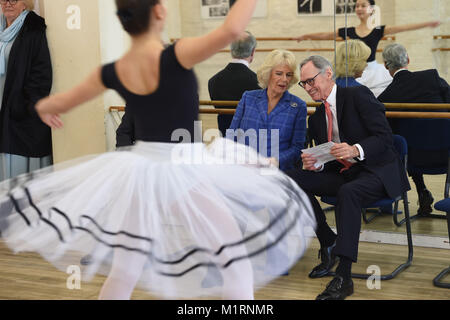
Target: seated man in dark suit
[(411, 87), (414, 87), (367, 167), (231, 82)]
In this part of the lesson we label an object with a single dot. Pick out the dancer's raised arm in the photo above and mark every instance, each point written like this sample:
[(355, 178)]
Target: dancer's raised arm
[(50, 107), (410, 27), (191, 51), (318, 36)]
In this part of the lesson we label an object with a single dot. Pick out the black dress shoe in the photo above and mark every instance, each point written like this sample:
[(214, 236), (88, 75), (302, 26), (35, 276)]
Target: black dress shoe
[(425, 202), (337, 289), (328, 262)]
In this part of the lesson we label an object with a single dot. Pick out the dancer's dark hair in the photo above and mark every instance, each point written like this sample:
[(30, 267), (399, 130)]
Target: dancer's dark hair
[(135, 14)]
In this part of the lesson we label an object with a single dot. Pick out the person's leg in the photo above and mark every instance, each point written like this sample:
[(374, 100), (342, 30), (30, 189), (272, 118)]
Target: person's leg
[(237, 276), (365, 189), (125, 272), (19, 165), (215, 226), (425, 196), (319, 184), (419, 182)]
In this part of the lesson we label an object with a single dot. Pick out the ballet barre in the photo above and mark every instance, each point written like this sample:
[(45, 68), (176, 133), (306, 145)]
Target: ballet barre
[(389, 114), (293, 50), (440, 49), (386, 38), (389, 106), (427, 106), (441, 37), (339, 39)]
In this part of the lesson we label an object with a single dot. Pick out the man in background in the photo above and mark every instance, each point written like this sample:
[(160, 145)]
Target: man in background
[(415, 87), (230, 83)]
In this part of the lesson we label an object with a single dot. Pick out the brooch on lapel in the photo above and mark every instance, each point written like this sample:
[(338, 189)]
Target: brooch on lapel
[(294, 104)]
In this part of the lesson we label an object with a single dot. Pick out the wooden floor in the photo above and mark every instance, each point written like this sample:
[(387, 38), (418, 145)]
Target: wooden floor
[(27, 276)]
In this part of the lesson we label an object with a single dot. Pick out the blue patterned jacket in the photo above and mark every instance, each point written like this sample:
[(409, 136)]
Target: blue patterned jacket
[(283, 129)]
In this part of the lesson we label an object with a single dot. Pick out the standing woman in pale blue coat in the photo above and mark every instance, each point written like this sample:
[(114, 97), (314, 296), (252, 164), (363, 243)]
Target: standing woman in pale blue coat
[(272, 120)]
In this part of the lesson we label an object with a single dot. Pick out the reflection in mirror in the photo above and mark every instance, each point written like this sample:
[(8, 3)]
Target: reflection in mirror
[(388, 74), (371, 30)]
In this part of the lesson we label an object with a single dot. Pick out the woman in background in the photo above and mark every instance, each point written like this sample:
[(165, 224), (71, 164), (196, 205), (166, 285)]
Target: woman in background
[(351, 60), (375, 76), (25, 77)]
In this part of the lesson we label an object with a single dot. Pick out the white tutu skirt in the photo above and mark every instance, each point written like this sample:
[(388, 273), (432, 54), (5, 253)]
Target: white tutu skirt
[(184, 218)]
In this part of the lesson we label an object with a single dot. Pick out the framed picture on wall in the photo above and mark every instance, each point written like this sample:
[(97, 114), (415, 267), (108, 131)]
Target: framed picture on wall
[(341, 4), (325, 7), (214, 9)]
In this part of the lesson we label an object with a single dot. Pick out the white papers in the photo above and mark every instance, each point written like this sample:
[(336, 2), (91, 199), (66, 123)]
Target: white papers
[(321, 153)]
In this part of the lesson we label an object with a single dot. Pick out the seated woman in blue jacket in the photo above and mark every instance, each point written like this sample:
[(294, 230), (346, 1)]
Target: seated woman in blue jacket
[(272, 120)]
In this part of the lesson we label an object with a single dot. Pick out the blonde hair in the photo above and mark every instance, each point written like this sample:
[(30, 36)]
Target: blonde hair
[(29, 4), (273, 59), (355, 53)]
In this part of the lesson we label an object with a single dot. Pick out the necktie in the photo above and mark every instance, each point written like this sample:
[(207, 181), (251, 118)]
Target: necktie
[(345, 163), (330, 120)]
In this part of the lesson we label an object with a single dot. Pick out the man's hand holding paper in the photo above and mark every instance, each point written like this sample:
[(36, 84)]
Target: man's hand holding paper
[(314, 158), (308, 162)]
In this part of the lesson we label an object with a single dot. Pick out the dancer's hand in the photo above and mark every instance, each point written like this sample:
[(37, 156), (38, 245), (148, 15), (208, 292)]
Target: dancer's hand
[(301, 38), (53, 120), (274, 162), (434, 24)]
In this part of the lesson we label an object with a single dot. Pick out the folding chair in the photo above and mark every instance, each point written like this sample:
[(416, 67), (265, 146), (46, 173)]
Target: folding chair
[(444, 205), (402, 148), (428, 148)]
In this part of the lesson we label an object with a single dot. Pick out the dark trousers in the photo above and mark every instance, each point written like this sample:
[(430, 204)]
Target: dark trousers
[(354, 189), (224, 122)]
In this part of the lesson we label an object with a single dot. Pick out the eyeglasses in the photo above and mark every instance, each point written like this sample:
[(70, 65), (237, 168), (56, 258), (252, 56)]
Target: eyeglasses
[(309, 81), (11, 2)]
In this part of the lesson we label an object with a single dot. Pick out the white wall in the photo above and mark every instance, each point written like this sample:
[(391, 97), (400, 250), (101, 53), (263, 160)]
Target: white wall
[(113, 44), (75, 53)]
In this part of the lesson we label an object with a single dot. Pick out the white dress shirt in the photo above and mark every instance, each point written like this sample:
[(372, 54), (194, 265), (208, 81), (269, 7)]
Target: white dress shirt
[(402, 69), (335, 132), (244, 62)]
